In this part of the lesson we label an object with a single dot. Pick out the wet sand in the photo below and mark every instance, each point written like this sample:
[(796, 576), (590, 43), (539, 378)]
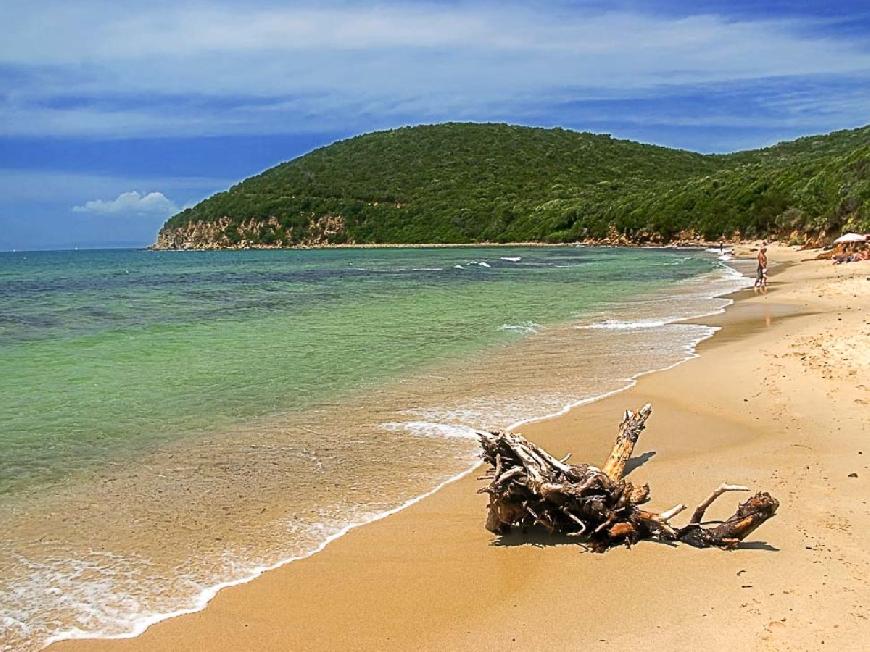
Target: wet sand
[(777, 400)]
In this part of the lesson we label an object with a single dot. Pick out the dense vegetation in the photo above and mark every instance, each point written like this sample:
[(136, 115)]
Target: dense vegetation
[(500, 183)]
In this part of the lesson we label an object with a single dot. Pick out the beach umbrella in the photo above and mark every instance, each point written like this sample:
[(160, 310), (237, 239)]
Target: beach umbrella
[(850, 237)]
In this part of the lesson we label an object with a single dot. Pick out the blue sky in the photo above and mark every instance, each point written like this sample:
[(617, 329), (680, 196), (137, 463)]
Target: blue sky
[(115, 114)]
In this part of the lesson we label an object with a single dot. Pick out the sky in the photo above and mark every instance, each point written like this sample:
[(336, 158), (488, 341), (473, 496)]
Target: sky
[(114, 115)]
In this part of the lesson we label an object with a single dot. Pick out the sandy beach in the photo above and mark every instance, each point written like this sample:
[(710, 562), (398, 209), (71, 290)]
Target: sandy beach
[(777, 400)]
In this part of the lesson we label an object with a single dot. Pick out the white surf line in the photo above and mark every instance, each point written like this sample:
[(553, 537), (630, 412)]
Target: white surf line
[(143, 623)]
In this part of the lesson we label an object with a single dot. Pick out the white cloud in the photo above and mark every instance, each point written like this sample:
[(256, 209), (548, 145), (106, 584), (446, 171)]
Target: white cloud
[(65, 188), (97, 32), (131, 203)]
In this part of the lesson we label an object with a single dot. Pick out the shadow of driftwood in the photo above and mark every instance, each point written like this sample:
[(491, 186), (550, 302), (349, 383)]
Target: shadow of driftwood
[(757, 545), (536, 536), (539, 537), (639, 461)]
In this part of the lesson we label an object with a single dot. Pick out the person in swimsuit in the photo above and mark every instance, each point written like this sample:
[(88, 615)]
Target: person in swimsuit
[(761, 272)]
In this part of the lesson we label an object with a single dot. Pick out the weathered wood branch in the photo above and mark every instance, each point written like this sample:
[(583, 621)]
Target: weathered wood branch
[(530, 487), (749, 515), (629, 431), (700, 510)]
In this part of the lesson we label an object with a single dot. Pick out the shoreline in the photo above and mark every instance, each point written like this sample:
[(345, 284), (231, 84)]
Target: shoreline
[(162, 512), (430, 245), (207, 625), (207, 595)]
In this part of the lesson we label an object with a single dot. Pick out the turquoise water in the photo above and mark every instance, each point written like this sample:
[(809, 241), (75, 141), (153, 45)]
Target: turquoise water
[(106, 352), (172, 421)]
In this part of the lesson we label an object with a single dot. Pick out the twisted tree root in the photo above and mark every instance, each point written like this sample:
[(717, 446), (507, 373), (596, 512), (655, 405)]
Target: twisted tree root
[(531, 487)]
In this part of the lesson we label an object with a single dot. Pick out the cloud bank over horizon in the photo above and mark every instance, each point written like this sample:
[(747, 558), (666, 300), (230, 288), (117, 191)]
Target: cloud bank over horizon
[(111, 70)]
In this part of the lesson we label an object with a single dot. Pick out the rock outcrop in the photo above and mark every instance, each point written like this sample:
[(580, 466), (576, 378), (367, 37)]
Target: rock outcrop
[(252, 233)]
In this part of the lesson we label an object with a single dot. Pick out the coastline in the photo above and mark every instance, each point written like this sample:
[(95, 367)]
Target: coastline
[(370, 245), (430, 575), (602, 242)]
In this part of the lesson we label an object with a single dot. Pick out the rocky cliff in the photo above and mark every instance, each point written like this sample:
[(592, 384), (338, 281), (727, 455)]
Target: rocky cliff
[(226, 233)]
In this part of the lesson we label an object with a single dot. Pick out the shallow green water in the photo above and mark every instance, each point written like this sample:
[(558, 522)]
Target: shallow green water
[(106, 353)]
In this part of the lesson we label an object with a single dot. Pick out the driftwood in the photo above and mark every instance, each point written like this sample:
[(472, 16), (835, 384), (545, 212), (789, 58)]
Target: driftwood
[(531, 487)]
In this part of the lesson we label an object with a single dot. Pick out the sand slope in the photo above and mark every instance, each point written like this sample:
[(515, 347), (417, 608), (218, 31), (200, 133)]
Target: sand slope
[(778, 400)]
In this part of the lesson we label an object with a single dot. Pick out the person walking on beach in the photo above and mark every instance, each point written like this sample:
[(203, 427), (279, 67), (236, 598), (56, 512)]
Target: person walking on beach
[(761, 271)]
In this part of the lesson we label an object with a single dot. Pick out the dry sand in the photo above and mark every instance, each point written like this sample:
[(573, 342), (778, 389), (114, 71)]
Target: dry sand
[(777, 400)]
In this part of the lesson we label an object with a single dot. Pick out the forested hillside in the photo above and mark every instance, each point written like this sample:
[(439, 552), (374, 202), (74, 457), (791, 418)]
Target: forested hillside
[(454, 183)]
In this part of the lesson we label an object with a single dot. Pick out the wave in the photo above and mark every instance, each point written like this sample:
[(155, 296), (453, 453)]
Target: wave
[(713, 286), (678, 261), (619, 324), (431, 429), (524, 327), (689, 352)]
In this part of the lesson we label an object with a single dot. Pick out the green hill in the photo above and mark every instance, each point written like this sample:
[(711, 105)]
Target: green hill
[(454, 183)]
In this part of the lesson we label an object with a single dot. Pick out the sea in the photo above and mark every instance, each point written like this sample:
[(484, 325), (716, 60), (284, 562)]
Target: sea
[(175, 422)]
